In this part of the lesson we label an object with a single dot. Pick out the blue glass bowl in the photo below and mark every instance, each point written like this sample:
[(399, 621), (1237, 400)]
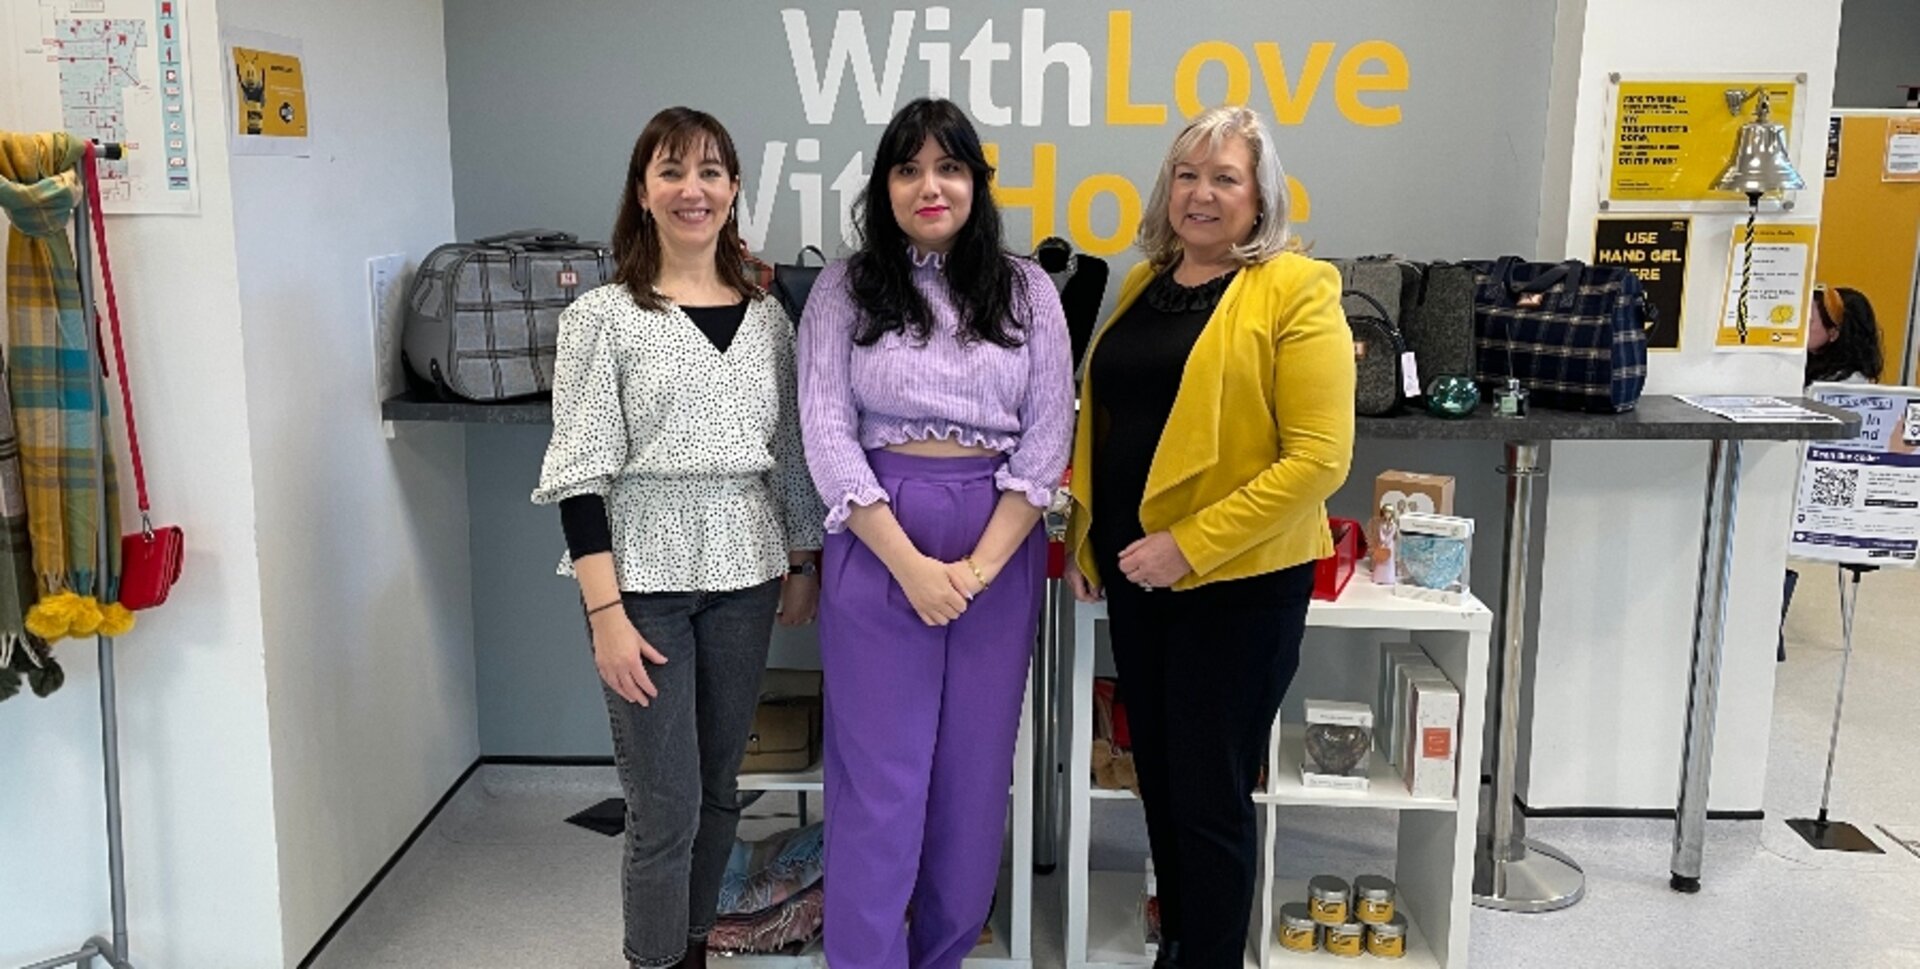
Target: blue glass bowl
[(1432, 561)]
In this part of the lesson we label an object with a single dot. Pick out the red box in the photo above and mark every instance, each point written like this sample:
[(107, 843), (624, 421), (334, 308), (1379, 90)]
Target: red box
[(1330, 574)]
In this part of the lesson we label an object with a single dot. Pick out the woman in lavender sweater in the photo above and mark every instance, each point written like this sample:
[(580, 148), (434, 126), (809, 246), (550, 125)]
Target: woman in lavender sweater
[(936, 401)]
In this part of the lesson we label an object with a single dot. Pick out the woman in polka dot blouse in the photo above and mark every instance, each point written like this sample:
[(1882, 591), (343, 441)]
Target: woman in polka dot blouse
[(689, 515)]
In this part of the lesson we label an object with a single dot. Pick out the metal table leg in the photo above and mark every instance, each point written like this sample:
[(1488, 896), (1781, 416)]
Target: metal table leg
[(1709, 638), (1046, 730), (1510, 872)]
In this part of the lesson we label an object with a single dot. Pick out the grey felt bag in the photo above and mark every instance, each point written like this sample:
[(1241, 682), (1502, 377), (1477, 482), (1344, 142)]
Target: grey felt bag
[(1439, 324)]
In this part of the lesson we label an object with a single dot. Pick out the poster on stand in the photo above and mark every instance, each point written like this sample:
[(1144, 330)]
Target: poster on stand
[(1671, 138), (1656, 251), (1778, 292), (1858, 502)]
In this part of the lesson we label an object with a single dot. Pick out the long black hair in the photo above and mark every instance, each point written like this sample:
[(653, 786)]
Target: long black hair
[(1855, 348), (977, 269)]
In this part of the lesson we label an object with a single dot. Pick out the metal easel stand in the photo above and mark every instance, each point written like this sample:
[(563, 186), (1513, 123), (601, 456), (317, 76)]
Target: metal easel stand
[(1822, 834), (114, 952)]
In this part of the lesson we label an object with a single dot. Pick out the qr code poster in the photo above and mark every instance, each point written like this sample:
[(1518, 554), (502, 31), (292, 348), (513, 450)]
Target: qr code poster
[(1859, 500)]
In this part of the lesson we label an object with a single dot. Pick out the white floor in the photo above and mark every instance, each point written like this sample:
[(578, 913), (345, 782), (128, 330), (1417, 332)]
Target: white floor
[(499, 881)]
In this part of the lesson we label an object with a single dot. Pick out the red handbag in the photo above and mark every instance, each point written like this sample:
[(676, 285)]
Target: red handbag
[(150, 558)]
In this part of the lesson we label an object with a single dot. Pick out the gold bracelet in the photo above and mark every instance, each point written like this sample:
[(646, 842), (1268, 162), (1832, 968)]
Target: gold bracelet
[(977, 574)]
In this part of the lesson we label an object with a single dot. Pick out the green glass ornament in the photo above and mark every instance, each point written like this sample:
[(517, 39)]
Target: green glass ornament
[(1452, 397)]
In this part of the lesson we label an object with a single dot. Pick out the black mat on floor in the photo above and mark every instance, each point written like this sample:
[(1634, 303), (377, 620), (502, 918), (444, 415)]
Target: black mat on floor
[(609, 817)]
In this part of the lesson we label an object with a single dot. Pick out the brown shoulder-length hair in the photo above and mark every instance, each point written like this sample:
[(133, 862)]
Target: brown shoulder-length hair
[(678, 132)]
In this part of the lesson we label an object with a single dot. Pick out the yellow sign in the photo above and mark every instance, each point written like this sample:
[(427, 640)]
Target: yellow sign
[(1903, 150), (1777, 289), (272, 94), (1672, 139)]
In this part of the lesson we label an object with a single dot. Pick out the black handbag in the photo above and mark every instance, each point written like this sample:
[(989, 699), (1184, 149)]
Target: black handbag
[(1377, 351), (793, 281)]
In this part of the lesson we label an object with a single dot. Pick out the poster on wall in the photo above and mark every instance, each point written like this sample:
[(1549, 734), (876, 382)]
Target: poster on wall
[(1903, 150), (1672, 139), (1859, 500), (1833, 146), (1656, 251), (267, 105), (1778, 291), (113, 71)]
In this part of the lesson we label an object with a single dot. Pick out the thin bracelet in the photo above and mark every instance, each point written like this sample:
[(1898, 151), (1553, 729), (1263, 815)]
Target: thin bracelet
[(604, 608), (984, 584)]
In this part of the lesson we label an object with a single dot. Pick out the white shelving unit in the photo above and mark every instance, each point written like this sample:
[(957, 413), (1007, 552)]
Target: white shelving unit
[(1434, 861), (1012, 918)]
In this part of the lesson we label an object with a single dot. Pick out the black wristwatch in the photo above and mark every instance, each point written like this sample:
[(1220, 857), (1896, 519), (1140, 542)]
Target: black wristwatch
[(809, 567)]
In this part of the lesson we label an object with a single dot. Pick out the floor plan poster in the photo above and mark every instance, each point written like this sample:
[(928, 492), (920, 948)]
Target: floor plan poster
[(113, 70)]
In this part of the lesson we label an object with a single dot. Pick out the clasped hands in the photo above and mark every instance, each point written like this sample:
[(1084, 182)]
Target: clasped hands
[(941, 591)]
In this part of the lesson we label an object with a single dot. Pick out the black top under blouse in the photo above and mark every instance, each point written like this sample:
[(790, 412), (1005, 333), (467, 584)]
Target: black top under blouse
[(719, 323), (1136, 369)]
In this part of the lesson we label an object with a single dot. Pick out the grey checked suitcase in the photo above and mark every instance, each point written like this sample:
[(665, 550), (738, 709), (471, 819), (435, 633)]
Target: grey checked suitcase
[(483, 317)]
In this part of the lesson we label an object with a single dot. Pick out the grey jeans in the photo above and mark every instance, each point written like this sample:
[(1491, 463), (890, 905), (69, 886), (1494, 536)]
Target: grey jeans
[(678, 759)]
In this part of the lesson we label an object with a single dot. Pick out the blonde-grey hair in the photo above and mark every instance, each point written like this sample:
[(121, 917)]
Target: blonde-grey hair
[(1271, 233)]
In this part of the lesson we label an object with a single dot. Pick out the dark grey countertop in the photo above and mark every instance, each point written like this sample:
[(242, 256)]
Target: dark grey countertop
[(1657, 418)]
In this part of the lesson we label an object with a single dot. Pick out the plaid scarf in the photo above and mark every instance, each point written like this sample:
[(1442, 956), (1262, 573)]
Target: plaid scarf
[(59, 416)]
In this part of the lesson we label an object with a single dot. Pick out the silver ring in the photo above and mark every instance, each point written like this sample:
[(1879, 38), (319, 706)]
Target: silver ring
[(1146, 587)]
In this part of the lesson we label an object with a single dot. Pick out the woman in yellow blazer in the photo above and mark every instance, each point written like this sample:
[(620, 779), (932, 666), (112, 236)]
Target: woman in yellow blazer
[(1216, 416)]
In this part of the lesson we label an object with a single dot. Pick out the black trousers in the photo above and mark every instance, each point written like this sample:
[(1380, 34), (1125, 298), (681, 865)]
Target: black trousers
[(1202, 674)]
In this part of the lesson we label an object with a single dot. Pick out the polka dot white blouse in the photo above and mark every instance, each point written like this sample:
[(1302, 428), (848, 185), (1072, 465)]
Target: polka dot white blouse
[(696, 451)]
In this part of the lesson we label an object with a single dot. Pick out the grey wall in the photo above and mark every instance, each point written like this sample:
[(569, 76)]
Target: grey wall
[(1879, 51), (546, 98)]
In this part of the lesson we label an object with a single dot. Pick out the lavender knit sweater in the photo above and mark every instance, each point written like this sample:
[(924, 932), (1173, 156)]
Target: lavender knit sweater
[(1015, 400)]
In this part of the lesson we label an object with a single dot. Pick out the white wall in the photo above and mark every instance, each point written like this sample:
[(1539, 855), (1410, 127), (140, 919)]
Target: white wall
[(1614, 641), (363, 541), (202, 871), (307, 694)]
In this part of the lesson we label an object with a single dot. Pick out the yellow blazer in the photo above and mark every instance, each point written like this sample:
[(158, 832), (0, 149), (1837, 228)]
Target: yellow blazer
[(1261, 431)]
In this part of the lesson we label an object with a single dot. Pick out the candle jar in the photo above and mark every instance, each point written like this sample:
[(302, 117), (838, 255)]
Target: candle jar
[(1346, 939), (1328, 902), (1373, 899), (1388, 940), (1298, 931)]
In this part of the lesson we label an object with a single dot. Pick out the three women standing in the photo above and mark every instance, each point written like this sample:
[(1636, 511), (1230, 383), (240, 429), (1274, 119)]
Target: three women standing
[(934, 393)]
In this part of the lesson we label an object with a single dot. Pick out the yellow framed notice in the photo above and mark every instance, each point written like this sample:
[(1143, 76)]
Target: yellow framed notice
[(1778, 295), (1672, 139), (1903, 151)]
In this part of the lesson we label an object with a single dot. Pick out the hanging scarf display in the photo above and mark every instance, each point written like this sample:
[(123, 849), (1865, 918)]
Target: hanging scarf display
[(59, 405)]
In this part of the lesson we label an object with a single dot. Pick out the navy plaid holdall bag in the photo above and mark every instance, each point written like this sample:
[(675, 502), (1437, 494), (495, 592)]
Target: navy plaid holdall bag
[(1574, 335)]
